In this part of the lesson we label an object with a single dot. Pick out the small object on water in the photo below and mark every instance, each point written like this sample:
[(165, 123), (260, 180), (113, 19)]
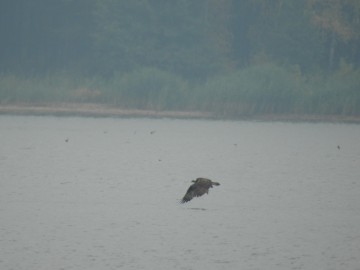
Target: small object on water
[(67, 140), (152, 132), (199, 188), (338, 147)]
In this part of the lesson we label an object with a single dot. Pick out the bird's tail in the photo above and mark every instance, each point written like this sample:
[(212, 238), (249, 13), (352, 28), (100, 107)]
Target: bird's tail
[(216, 183)]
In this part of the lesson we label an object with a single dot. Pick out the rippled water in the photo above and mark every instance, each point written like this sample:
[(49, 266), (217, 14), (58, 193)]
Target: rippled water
[(87, 193)]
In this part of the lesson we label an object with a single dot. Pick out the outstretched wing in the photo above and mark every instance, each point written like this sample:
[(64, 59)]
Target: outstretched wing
[(195, 190), (190, 193)]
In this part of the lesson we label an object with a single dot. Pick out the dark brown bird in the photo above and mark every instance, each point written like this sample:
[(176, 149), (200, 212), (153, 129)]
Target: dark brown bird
[(199, 188)]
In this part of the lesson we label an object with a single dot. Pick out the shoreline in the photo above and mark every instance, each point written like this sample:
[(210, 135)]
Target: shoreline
[(93, 110), (102, 110)]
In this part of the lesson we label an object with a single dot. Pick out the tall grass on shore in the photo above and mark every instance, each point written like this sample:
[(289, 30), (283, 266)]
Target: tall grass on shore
[(45, 89), (260, 89), (147, 88), (256, 90)]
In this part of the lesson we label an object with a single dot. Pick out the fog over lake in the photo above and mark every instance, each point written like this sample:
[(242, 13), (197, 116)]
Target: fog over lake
[(103, 193)]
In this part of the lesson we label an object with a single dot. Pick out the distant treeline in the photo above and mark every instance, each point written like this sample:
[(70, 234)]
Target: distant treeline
[(260, 89), (226, 56)]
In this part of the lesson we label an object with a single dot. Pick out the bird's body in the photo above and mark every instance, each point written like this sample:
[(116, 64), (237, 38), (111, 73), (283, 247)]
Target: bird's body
[(199, 188)]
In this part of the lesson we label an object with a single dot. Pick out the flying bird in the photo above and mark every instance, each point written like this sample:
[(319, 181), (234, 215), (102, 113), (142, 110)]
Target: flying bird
[(199, 188)]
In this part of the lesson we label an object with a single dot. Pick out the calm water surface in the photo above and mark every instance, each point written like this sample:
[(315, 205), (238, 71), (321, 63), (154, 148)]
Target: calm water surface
[(87, 193)]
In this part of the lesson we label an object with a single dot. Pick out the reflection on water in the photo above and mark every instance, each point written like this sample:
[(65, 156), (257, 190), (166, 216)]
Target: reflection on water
[(84, 193)]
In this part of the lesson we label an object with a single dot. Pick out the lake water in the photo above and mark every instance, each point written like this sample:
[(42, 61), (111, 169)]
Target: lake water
[(103, 193)]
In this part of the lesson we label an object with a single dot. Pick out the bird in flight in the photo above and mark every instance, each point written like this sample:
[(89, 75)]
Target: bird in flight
[(199, 188)]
